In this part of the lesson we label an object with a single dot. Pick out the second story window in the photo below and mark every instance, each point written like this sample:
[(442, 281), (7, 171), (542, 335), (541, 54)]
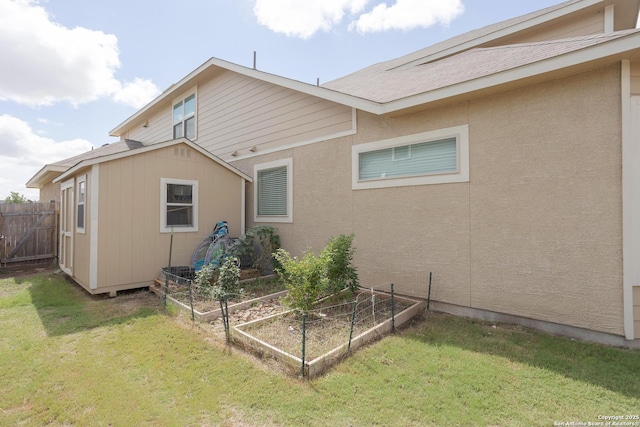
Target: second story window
[(184, 118)]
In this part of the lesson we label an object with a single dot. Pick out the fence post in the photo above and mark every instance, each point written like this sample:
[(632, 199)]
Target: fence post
[(166, 280), (304, 338), (353, 321), (429, 294), (226, 317), (393, 312), (193, 317)]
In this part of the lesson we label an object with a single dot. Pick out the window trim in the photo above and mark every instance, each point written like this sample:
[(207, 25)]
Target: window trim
[(163, 206), (461, 133), (178, 100), (288, 218), (82, 179)]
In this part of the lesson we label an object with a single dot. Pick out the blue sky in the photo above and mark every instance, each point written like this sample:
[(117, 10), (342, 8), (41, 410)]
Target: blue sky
[(74, 69)]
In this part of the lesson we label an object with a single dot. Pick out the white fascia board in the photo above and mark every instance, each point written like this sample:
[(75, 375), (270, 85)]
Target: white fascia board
[(116, 156), (503, 32), (35, 181), (585, 55)]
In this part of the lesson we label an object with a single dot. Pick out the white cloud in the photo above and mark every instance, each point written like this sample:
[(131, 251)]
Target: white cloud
[(23, 153), (407, 15), (303, 18), (137, 93), (45, 62)]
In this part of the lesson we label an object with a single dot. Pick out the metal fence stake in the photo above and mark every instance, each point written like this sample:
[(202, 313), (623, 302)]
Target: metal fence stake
[(393, 312), (353, 321), (304, 338)]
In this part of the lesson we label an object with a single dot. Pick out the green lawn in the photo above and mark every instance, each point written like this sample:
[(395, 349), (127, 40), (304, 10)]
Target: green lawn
[(68, 358)]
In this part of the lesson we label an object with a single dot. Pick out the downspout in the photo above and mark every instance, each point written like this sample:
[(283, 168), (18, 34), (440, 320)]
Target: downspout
[(630, 204)]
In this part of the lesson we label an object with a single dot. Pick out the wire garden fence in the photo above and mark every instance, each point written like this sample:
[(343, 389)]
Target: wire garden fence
[(327, 332), (178, 285)]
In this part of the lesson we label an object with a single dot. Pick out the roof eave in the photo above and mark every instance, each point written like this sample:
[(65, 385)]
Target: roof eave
[(40, 179), (503, 32), (90, 162), (611, 50)]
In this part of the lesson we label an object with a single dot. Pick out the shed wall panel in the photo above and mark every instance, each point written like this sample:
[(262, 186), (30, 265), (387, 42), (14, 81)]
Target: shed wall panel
[(131, 247)]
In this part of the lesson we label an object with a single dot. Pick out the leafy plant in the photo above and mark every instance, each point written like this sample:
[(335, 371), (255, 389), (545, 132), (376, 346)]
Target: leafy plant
[(313, 277), (258, 243), (229, 277), (215, 283), (306, 278), (205, 281), (340, 269)]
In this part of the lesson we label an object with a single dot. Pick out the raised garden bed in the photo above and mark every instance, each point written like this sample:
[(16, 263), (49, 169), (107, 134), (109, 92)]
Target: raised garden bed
[(329, 333), (182, 294)]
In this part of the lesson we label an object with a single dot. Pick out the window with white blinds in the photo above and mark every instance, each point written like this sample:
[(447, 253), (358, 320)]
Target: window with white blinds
[(433, 157), (410, 160), (273, 191)]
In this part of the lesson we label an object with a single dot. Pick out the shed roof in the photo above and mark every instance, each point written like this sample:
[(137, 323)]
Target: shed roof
[(51, 171), (139, 148)]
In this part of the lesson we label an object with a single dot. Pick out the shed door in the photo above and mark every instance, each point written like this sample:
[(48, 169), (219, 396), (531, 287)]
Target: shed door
[(66, 226)]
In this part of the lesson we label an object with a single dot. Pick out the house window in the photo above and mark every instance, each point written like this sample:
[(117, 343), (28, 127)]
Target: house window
[(273, 195), (434, 157), (81, 203), (178, 205), (184, 118)]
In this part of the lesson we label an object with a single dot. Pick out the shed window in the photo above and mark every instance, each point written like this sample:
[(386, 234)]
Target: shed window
[(273, 194), (179, 205), (184, 118), (81, 203)]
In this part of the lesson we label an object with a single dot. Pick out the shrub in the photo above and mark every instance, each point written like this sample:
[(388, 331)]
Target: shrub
[(305, 279), (213, 284), (313, 277), (340, 270), (268, 242)]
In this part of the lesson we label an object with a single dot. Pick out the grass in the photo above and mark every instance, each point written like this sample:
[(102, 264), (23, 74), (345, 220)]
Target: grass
[(69, 358)]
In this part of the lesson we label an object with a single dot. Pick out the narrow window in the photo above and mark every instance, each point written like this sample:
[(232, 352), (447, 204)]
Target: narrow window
[(81, 203), (184, 118)]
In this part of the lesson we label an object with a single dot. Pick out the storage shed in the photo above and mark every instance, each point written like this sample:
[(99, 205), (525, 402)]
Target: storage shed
[(118, 211)]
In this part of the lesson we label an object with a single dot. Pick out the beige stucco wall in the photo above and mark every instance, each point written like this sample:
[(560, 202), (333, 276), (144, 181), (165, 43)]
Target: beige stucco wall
[(636, 311), (537, 230), (49, 192), (547, 203), (131, 248)]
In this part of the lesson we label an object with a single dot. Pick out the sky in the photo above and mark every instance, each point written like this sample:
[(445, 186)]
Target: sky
[(72, 70)]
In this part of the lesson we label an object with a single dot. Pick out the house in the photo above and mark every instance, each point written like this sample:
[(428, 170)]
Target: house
[(121, 204), (505, 161)]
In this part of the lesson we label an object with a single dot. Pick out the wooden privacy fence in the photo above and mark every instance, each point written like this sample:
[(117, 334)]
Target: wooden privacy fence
[(28, 232)]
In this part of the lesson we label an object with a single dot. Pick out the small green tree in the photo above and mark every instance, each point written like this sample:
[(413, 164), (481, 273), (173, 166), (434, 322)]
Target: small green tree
[(16, 197), (340, 269), (305, 279), (313, 277)]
